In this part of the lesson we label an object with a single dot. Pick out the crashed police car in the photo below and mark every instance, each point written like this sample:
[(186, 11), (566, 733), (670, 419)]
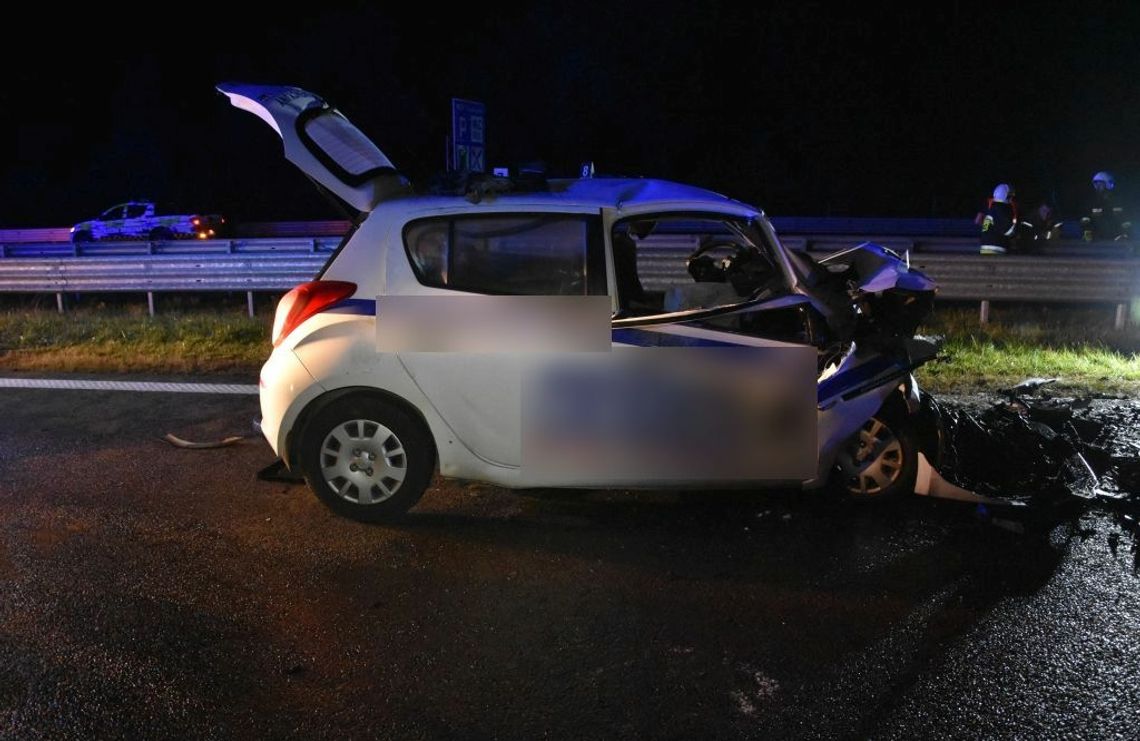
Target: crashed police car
[(583, 332)]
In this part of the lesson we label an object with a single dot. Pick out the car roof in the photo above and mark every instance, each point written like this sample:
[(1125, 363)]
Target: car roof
[(598, 192)]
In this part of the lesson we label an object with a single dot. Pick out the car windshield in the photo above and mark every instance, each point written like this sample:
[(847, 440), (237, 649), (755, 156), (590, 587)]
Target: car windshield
[(348, 151)]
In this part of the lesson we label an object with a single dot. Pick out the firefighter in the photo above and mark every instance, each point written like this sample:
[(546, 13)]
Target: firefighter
[(999, 222), (1038, 228), (1105, 218)]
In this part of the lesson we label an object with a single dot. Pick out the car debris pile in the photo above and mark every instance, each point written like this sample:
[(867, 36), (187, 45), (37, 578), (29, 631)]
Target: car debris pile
[(1058, 454)]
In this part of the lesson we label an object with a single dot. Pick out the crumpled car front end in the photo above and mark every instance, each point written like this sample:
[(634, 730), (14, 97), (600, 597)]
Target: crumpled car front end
[(879, 431), (868, 294)]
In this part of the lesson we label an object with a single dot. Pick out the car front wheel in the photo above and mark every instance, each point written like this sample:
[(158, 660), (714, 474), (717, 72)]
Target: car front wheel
[(880, 461), (366, 458)]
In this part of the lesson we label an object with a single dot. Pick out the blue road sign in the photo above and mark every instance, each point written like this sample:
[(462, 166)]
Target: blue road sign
[(469, 147)]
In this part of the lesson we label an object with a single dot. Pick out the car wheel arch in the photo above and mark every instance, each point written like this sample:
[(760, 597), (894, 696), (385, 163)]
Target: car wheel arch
[(297, 430), (925, 421), (904, 427)]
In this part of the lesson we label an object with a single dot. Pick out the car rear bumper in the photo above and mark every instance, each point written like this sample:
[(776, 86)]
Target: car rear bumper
[(282, 380)]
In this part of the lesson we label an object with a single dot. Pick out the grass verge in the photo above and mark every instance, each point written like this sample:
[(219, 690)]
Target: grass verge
[(107, 341), (1076, 346)]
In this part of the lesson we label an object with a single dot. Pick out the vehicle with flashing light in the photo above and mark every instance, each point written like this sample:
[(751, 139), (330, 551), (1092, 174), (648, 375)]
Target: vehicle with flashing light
[(582, 332), (140, 220)]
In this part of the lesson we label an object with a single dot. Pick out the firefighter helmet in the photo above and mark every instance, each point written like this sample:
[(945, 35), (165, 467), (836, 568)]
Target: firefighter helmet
[(1003, 193), (1104, 178)]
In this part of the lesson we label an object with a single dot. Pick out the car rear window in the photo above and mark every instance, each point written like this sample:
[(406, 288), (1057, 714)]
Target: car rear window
[(346, 148)]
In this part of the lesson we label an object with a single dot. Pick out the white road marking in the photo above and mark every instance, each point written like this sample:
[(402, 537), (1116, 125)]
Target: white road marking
[(92, 385)]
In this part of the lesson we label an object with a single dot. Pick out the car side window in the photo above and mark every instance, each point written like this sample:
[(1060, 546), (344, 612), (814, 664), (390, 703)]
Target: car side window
[(112, 214), (135, 210), (429, 246), (687, 262), (532, 254)]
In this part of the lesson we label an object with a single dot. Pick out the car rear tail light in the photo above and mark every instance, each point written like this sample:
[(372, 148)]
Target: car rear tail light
[(306, 300)]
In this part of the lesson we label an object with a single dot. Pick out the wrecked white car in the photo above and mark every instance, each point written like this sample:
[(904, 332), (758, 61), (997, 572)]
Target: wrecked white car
[(593, 332)]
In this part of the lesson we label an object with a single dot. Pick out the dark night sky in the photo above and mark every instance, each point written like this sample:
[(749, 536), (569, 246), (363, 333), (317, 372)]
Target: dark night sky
[(802, 109)]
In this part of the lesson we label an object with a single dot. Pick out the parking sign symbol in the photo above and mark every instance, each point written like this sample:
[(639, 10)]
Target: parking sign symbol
[(468, 135)]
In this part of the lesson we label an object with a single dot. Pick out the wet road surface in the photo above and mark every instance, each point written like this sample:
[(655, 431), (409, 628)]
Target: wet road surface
[(151, 591)]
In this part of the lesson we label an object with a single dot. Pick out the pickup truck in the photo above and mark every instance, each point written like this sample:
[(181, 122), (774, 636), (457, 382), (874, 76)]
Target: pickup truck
[(138, 220)]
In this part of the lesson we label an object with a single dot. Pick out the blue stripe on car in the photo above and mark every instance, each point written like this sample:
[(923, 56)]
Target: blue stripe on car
[(833, 386), (850, 379), (646, 338), (360, 306)]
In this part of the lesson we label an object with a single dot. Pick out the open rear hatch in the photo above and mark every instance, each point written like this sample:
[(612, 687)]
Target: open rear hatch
[(324, 144)]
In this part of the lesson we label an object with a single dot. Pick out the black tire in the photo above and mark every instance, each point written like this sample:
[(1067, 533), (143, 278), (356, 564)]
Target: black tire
[(161, 234), (81, 236), (349, 458), (880, 462)]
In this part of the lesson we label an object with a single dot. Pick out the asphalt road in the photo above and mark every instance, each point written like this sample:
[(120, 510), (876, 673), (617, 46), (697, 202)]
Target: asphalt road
[(151, 591)]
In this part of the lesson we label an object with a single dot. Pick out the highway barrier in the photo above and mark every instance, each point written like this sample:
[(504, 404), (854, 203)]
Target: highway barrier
[(1066, 272)]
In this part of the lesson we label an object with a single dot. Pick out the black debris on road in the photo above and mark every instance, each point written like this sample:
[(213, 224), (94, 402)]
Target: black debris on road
[(1059, 455)]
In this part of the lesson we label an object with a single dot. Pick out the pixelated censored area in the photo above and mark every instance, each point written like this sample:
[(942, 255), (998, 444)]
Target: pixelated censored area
[(672, 415), (493, 324)]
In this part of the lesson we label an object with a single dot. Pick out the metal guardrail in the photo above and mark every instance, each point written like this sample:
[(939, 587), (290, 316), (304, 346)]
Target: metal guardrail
[(986, 278), (961, 277), (826, 244), (821, 243), (144, 273), (1066, 272), (320, 241), (50, 234), (250, 265), (333, 227), (325, 244)]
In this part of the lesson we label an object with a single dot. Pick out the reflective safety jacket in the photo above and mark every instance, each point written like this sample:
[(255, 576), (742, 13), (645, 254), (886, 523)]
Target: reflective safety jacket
[(997, 227)]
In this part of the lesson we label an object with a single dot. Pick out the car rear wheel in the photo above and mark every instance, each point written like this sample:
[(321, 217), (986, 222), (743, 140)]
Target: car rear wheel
[(880, 461), (366, 458)]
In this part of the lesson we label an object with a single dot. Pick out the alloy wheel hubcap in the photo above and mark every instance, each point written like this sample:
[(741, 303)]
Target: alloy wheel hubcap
[(363, 462), (872, 461)]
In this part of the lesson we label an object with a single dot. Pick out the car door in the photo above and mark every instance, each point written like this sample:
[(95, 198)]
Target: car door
[(135, 223), (110, 224), (509, 282), (710, 357)]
